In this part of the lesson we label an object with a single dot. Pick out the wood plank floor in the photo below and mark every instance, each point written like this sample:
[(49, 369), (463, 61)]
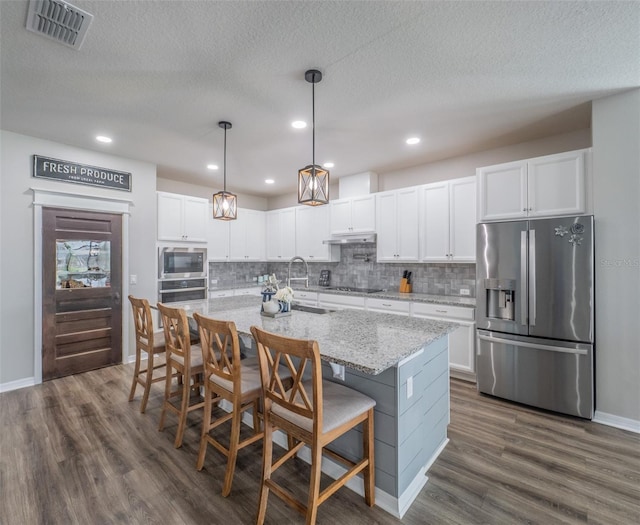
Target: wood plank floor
[(74, 451)]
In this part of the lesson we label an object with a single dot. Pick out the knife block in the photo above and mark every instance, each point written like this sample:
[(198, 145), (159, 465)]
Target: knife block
[(405, 287)]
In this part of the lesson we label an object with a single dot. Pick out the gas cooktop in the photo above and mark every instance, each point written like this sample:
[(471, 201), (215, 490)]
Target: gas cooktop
[(353, 289)]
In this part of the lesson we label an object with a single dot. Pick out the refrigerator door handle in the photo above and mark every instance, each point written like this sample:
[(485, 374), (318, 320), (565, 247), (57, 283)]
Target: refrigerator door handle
[(523, 277), (532, 277), (562, 349)]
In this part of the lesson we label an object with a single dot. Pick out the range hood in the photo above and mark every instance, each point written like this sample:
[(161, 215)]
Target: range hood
[(352, 238)]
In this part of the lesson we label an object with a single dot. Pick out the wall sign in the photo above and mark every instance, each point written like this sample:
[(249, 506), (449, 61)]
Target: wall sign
[(62, 170)]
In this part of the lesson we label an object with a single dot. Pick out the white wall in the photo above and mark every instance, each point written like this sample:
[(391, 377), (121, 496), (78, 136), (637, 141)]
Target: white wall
[(17, 235), (616, 167)]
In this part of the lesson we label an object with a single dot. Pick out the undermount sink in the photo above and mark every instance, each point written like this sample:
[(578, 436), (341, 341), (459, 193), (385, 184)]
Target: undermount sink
[(311, 309)]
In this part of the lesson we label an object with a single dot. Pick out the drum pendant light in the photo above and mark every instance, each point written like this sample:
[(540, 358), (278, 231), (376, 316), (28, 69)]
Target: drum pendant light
[(313, 181), (225, 204)]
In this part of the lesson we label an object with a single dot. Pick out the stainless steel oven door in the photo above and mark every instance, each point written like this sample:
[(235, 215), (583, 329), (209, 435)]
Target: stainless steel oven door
[(182, 262), (177, 290)]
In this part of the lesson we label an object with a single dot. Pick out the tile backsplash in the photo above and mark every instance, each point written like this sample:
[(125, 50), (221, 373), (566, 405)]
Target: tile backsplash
[(357, 267)]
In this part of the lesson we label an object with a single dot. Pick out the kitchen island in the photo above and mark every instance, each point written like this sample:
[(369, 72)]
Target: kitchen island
[(401, 362)]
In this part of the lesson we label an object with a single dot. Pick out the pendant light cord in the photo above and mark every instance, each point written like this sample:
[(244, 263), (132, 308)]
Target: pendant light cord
[(225, 161), (313, 123)]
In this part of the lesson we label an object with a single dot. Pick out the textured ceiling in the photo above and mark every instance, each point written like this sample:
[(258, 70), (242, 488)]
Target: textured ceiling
[(464, 76)]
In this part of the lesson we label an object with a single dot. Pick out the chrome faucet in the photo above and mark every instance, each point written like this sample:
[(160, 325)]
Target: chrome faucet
[(306, 268)]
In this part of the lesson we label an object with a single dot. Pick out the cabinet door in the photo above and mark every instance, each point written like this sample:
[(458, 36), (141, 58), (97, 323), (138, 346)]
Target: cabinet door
[(462, 223), (462, 349), (340, 216), (556, 185), (312, 228), (170, 226), (502, 191), (217, 239), (272, 221), (237, 237), (195, 219), (435, 223), (363, 214), (255, 233), (287, 233), (407, 220), (387, 227)]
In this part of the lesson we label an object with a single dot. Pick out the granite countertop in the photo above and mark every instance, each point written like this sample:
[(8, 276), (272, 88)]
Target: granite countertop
[(369, 342), (451, 300)]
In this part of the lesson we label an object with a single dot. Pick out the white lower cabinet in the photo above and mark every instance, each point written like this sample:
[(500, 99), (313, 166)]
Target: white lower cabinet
[(305, 297), (375, 304), (216, 294), (253, 290), (462, 362), (327, 300)]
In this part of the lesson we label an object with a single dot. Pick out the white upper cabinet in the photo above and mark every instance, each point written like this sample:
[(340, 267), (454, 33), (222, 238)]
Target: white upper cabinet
[(556, 184), (397, 225), (281, 234), (355, 215), (312, 228), (462, 220), (539, 187), (448, 221), (217, 238), (247, 236), (182, 218)]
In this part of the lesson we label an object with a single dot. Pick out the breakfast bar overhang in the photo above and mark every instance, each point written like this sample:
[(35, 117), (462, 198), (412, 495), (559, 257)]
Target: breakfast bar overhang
[(401, 362)]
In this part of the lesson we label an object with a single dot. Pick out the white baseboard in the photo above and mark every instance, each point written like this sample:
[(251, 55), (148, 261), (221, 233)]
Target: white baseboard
[(611, 420), (20, 383)]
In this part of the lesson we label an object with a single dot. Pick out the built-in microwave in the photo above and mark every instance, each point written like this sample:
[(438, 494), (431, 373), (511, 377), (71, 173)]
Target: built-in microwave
[(182, 262)]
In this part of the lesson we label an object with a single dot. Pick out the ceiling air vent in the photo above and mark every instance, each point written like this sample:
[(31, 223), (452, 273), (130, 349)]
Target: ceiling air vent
[(59, 21)]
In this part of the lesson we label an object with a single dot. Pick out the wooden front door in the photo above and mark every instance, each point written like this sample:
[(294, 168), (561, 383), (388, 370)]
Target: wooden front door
[(82, 291)]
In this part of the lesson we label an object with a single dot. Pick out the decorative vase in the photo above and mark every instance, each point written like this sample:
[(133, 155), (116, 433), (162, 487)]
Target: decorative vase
[(284, 306), (271, 307), (266, 297)]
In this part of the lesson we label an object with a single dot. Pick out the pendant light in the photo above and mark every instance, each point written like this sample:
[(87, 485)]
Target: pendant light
[(225, 204), (313, 181)]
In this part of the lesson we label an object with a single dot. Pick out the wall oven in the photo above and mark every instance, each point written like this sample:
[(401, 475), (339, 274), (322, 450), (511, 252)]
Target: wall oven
[(182, 273), (176, 290), (182, 263)]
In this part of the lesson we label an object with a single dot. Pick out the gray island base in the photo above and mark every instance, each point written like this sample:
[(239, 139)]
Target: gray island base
[(401, 362)]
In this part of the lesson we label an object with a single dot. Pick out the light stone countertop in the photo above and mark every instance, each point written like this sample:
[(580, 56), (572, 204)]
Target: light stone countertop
[(369, 342), (451, 300)]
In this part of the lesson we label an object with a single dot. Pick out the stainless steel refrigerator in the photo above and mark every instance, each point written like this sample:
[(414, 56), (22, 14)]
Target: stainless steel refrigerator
[(535, 312)]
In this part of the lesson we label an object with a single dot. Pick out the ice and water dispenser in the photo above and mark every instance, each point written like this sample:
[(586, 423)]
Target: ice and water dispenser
[(501, 298)]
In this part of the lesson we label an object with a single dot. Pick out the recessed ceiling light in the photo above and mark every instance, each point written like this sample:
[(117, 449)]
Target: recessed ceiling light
[(269, 181), (413, 140), (212, 166), (328, 165), (102, 138), (299, 124)]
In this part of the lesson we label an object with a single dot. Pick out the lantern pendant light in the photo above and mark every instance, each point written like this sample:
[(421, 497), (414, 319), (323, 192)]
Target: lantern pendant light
[(313, 181), (225, 204)]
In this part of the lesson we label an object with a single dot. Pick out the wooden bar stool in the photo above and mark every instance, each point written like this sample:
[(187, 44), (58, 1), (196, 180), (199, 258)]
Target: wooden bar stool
[(149, 343), (228, 377), (183, 361), (314, 412)]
